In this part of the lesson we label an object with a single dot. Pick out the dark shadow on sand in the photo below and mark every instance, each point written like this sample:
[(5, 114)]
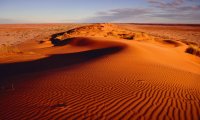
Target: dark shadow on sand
[(13, 71), (52, 62), (57, 42)]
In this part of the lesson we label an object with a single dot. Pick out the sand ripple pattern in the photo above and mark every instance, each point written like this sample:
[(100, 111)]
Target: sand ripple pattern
[(115, 86)]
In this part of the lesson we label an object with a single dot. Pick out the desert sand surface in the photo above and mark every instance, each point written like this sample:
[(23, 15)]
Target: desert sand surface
[(181, 32), (100, 71), (12, 34)]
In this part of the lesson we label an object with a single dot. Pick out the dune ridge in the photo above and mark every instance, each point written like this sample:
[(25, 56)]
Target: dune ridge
[(101, 77)]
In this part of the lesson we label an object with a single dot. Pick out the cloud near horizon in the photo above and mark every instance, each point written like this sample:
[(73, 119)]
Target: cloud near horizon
[(174, 11), (128, 11), (117, 15)]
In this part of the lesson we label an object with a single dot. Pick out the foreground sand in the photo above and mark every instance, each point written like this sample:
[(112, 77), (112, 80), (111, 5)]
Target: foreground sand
[(87, 74)]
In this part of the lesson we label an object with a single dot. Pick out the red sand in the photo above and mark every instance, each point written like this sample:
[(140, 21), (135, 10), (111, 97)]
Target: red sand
[(87, 75)]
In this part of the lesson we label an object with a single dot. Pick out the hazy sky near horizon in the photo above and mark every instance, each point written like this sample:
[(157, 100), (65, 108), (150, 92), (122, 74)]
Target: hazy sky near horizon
[(92, 11)]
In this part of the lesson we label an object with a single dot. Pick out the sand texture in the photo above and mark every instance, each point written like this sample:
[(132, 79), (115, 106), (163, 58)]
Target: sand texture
[(100, 71)]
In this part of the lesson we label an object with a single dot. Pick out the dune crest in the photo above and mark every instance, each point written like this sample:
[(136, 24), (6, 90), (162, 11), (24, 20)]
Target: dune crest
[(102, 30), (101, 71)]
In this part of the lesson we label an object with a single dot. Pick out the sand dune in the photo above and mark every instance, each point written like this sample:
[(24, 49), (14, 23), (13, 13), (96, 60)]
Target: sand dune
[(85, 74)]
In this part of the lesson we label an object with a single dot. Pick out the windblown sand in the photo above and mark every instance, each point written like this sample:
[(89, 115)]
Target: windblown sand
[(185, 33), (101, 71)]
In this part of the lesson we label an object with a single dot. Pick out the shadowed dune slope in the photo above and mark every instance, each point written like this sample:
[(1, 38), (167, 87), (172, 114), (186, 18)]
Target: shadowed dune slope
[(106, 79), (61, 60)]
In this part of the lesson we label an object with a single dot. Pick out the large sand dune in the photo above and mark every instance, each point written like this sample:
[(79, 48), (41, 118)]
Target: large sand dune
[(101, 71)]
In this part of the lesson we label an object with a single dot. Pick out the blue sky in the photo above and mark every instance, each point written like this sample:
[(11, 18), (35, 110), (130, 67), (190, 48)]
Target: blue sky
[(135, 11)]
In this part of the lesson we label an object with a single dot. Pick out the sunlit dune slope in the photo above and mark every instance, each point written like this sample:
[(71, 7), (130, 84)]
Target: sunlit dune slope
[(89, 73)]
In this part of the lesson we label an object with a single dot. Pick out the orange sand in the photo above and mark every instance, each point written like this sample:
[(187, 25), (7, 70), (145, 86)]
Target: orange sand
[(89, 74)]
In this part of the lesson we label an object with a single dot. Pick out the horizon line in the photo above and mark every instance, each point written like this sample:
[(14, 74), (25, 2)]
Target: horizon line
[(102, 23)]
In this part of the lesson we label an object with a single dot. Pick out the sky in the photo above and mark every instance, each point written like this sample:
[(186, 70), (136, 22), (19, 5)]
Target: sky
[(95, 11)]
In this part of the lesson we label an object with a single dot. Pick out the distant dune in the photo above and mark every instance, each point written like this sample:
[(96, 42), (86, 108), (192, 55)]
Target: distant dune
[(100, 71), (182, 32)]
